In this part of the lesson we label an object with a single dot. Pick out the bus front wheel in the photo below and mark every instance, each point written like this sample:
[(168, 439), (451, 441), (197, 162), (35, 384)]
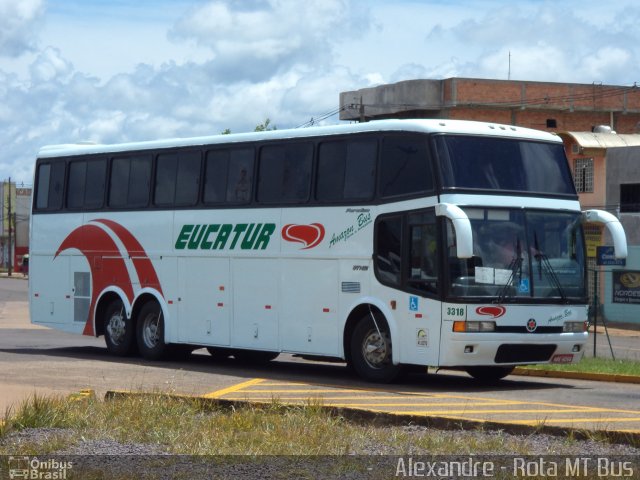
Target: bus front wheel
[(151, 332), (371, 350), (119, 332)]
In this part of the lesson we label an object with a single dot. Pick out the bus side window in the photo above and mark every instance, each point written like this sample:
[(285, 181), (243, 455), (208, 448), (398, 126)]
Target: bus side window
[(86, 183), (405, 167), (284, 175), (388, 250), (177, 179), (130, 182), (240, 175), (423, 273), (50, 186), (346, 170)]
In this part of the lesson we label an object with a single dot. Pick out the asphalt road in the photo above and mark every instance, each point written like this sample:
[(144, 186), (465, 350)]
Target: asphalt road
[(34, 359)]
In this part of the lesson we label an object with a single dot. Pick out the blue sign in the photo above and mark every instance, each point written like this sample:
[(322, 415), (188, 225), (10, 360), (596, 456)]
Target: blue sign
[(413, 304), (606, 256)]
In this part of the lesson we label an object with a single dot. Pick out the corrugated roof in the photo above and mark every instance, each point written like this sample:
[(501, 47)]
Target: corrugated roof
[(604, 140)]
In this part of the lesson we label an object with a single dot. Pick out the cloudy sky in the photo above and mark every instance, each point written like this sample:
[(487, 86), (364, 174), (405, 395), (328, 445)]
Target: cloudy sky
[(123, 70)]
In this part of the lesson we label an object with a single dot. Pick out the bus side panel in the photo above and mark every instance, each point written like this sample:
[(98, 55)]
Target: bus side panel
[(51, 280), (204, 307), (255, 301), (419, 328), (309, 320), (49, 284)]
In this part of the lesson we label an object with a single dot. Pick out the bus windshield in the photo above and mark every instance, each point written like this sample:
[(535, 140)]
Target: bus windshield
[(490, 163), (520, 255)]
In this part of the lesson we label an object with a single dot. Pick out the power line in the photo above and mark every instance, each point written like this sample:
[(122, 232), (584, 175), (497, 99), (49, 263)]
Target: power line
[(322, 117)]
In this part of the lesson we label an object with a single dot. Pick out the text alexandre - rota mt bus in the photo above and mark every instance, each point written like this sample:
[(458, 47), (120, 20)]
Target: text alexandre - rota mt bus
[(390, 243)]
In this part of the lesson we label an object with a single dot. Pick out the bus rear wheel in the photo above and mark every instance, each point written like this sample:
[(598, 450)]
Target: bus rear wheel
[(119, 334), (489, 374), (371, 351), (150, 333)]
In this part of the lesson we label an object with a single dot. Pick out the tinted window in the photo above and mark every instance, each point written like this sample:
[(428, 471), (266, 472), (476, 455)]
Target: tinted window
[(85, 188), (177, 179), (95, 184), (423, 273), (388, 255), (130, 178), (50, 186), (404, 166), (503, 164), (76, 185), (346, 170), (229, 176), (285, 173)]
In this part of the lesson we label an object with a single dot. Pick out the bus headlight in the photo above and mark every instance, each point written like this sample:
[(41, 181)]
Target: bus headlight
[(462, 326), (575, 327)]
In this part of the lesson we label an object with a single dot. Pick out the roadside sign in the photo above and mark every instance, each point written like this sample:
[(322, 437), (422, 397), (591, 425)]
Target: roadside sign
[(605, 256)]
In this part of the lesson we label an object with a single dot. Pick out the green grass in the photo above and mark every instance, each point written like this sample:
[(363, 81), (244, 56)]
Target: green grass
[(196, 427), (596, 365), (276, 440)]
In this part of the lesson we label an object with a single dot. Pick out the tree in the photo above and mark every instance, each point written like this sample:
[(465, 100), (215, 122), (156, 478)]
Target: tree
[(262, 127), (265, 126)]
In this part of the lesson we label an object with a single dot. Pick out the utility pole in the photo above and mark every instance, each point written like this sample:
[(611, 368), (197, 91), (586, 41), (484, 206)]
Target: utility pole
[(362, 117), (9, 215)]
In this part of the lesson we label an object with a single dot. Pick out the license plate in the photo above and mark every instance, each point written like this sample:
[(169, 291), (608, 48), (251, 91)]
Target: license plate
[(564, 358)]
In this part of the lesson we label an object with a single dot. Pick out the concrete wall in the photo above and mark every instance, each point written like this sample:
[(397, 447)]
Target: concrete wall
[(573, 107)]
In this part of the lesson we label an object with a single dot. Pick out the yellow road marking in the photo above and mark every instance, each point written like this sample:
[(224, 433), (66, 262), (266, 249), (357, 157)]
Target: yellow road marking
[(233, 388), (465, 405), (330, 400), (295, 390), (575, 420)]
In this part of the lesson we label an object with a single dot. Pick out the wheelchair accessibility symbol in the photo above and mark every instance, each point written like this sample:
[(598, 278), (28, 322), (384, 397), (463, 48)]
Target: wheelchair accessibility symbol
[(413, 304)]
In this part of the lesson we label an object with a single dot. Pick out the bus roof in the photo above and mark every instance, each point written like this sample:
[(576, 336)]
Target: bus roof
[(414, 125)]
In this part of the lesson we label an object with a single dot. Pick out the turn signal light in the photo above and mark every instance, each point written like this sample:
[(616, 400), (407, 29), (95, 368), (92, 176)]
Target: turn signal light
[(462, 326)]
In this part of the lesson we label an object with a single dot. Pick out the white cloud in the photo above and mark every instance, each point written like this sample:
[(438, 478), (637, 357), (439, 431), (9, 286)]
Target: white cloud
[(230, 64), (18, 20), (50, 65), (272, 37)]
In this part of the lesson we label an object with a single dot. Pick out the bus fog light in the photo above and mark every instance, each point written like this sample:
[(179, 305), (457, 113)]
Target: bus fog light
[(576, 348), (574, 327), (468, 349)]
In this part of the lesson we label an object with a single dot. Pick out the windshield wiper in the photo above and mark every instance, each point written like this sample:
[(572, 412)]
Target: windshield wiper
[(516, 269), (545, 264)]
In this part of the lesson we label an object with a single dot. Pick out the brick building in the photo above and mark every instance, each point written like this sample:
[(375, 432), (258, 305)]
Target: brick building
[(540, 105)]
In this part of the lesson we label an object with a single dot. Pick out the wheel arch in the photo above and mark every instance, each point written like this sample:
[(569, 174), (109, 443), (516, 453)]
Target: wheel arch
[(104, 299), (145, 296), (370, 306)]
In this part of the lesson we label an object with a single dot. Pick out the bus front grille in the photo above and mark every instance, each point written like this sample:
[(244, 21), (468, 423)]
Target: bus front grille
[(521, 353)]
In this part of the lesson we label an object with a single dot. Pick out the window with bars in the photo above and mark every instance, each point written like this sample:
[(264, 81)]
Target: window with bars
[(583, 174)]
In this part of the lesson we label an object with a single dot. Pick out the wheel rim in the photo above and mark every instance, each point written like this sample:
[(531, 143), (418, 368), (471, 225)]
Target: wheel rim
[(376, 349), (117, 328), (151, 330)]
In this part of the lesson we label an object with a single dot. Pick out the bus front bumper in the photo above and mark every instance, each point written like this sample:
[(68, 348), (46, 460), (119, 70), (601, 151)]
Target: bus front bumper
[(495, 349)]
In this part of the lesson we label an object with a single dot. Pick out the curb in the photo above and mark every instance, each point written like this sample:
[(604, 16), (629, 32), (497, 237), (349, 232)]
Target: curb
[(397, 419), (598, 377)]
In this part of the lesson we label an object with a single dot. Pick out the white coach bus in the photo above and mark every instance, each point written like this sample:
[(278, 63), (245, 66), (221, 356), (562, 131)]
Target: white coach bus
[(401, 242)]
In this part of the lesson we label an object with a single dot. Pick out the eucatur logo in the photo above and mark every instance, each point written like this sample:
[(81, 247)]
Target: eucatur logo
[(308, 235), (493, 310)]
